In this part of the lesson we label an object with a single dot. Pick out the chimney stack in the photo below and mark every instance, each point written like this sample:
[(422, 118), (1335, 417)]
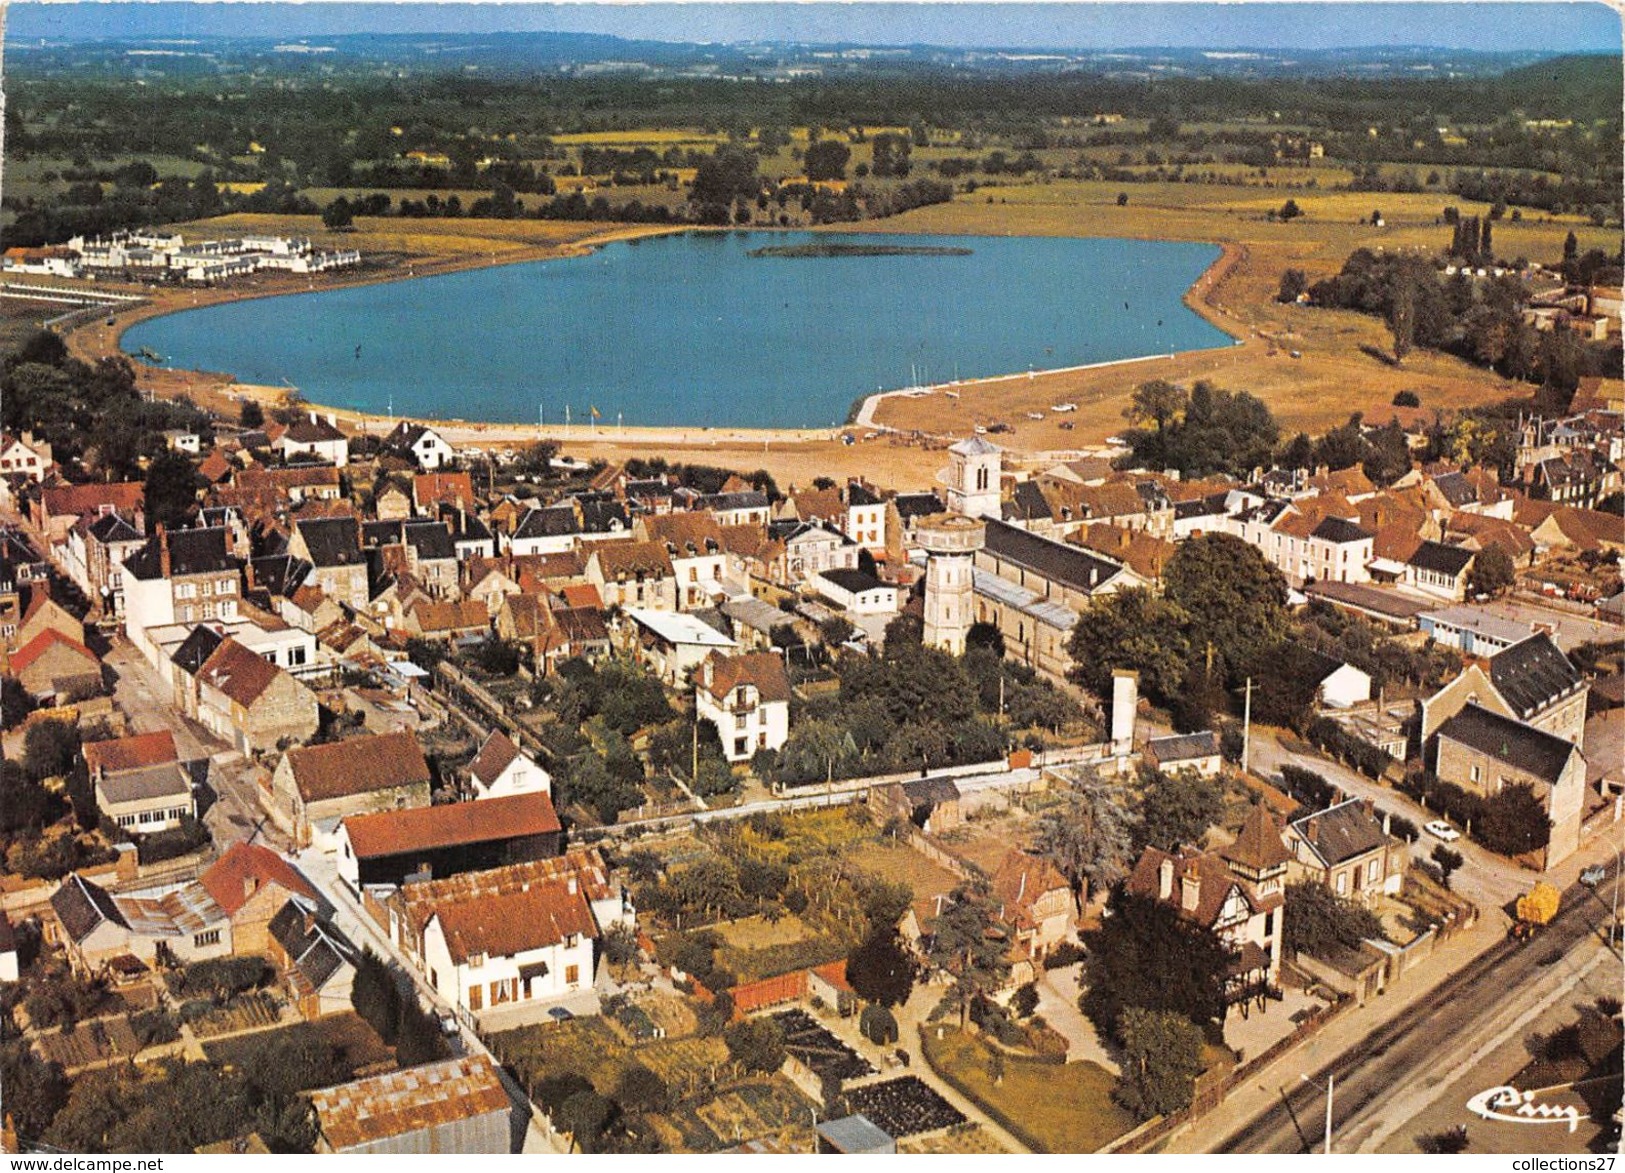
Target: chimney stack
[(1165, 880), (1190, 891), (1125, 698), (163, 551)]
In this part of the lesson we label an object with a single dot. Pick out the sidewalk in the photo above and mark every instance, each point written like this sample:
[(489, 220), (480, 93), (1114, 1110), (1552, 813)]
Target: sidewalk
[(1262, 1090)]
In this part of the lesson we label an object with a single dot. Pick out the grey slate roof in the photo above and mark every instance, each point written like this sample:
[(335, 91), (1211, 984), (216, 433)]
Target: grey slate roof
[(111, 527), (280, 574), (191, 551), (855, 581), (431, 539), (922, 791), (1342, 832), (555, 521), (1335, 529), (749, 499), (165, 780), (1184, 747), (1456, 489), (317, 951), (1530, 675), (918, 504), (1441, 559), (1069, 565), (1530, 749), (196, 648), (81, 906), (332, 541)]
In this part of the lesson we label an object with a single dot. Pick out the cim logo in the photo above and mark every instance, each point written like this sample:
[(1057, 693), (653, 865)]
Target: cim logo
[(1516, 1107)]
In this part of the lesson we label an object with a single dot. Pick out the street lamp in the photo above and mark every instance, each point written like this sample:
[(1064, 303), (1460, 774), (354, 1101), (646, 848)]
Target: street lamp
[(1330, 1078)]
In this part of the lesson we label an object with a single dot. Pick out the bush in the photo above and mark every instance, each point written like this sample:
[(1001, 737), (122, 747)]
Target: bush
[(757, 1044), (1312, 790), (1407, 399), (171, 844), (1344, 746), (878, 1025), (641, 1090), (1025, 1001), (1065, 954), (1400, 827), (220, 979)]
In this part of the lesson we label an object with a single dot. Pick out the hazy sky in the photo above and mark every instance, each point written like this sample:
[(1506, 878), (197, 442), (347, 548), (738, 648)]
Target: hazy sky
[(1556, 26)]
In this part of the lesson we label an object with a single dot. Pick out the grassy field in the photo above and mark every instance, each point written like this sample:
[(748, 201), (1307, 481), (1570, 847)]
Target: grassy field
[(1053, 1108)]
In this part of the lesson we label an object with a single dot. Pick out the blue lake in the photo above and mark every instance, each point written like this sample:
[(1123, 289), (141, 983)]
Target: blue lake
[(688, 329)]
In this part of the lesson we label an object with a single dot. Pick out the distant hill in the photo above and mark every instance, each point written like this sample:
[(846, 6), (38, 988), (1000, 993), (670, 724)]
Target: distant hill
[(1584, 87)]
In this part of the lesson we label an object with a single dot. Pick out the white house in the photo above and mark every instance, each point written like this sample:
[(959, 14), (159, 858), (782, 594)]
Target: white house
[(856, 591), (747, 698), (424, 445), (315, 435), (501, 770), (866, 517), (673, 644), (25, 455)]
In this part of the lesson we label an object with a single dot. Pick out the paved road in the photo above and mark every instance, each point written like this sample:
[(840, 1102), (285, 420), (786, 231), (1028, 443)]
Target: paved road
[(1388, 1074)]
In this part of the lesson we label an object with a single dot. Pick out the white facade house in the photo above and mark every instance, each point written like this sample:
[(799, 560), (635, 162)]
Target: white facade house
[(315, 435), (747, 699), (673, 644), (856, 591), (425, 445), (24, 455), (866, 517), (500, 770)]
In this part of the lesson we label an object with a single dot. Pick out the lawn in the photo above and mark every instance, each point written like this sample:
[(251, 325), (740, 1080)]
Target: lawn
[(1052, 1108), (901, 864)]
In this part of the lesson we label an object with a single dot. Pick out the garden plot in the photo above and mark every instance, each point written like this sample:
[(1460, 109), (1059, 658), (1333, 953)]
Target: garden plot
[(248, 1012), (904, 1107), (753, 1110), (824, 1054)]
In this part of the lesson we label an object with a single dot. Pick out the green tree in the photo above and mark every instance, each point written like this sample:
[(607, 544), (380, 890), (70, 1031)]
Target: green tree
[(1290, 210), (1493, 572), (1449, 860), (36, 1089), (1162, 1056), (338, 215), (1318, 921), (586, 1116), (1088, 837), (1514, 821), (171, 489), (1135, 631), (50, 748), (1293, 284), (756, 1044), (878, 1025), (1235, 600), (969, 943), (1178, 809), (1146, 954), (826, 159), (15, 703), (881, 970), (1158, 402), (641, 1090), (251, 415)]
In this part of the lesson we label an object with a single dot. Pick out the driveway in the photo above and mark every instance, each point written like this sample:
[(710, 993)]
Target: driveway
[(1058, 991)]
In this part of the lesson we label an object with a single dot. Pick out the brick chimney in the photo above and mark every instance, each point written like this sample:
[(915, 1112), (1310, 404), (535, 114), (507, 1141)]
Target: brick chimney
[(163, 550), (1312, 829)]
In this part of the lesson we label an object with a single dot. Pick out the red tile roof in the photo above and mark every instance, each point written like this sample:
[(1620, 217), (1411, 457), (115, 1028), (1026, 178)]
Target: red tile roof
[(516, 922), (131, 753), (763, 669), (43, 642), (239, 673), (454, 825), (245, 869), (358, 766), (496, 754), (76, 500)]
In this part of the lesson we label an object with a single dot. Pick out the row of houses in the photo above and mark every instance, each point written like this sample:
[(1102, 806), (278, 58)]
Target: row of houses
[(146, 254)]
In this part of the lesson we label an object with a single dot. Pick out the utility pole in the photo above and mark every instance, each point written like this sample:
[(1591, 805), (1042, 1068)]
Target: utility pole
[(1247, 727), (1330, 1081)]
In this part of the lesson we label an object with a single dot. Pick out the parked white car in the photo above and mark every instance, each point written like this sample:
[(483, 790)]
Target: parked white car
[(1440, 829)]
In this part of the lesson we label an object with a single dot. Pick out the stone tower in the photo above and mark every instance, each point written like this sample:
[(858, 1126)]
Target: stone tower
[(973, 478), (950, 543)]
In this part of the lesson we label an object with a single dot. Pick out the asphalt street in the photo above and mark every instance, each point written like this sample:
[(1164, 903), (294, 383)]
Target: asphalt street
[(1402, 1067)]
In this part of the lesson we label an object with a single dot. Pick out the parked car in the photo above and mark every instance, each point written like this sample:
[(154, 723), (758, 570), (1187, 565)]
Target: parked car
[(1440, 829), (1593, 875)]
